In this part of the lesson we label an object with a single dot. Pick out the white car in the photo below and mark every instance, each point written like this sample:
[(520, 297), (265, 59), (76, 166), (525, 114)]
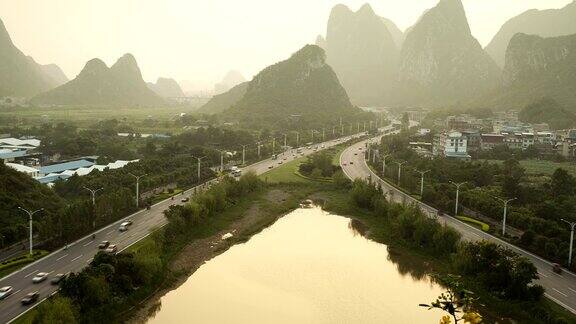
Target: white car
[(41, 276), (5, 292)]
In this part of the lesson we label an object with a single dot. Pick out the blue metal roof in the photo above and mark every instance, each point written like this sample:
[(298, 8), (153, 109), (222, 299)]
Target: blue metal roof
[(13, 154), (56, 168), (52, 178)]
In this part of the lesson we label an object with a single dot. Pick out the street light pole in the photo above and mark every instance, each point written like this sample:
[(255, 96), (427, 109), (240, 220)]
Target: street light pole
[(399, 170), (244, 154), (30, 214), (258, 149), (422, 173), (93, 193), (297, 139), (323, 134), (273, 145), (312, 132), (505, 202), (285, 140), (457, 195), (138, 188), (572, 225), (384, 164)]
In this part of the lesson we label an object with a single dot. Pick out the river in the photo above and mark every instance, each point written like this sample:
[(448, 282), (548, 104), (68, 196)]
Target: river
[(308, 267)]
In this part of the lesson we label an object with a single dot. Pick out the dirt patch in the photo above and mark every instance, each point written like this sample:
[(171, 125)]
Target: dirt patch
[(277, 196), (195, 254)]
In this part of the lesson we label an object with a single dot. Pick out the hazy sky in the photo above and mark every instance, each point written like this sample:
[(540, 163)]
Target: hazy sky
[(200, 40)]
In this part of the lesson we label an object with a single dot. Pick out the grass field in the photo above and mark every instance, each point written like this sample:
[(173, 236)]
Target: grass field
[(285, 173), (84, 116), (544, 167)]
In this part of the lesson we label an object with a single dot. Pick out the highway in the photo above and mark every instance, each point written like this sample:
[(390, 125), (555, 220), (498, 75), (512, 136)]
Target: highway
[(559, 288), (79, 254)]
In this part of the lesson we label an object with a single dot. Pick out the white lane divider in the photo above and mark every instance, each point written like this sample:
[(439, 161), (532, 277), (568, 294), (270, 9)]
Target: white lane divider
[(17, 291), (543, 275), (89, 243), (31, 273), (558, 291), (572, 290), (112, 231), (62, 257), (76, 258)]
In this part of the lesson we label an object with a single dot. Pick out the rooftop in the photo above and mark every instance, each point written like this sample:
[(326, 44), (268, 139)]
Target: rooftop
[(73, 165)]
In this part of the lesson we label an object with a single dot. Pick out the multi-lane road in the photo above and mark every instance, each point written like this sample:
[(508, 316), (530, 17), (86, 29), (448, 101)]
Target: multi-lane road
[(559, 288), (79, 254)]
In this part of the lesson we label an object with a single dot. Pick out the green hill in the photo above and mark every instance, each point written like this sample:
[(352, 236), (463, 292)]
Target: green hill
[(549, 111), (98, 85), (302, 87)]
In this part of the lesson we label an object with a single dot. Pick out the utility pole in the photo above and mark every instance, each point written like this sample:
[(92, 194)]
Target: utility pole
[(351, 129), (370, 125), (297, 139), (323, 134), (273, 145), (457, 195), (358, 128), (572, 225), (199, 159), (333, 130), (138, 187), (285, 140), (93, 193), (258, 149), (364, 126), (422, 173), (342, 125), (399, 170), (30, 214), (312, 132)]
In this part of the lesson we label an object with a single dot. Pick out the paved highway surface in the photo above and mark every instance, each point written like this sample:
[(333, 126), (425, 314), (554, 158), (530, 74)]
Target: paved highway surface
[(559, 288), (79, 254)]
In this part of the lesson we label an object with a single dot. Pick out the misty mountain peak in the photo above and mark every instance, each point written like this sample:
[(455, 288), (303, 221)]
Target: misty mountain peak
[(366, 9)]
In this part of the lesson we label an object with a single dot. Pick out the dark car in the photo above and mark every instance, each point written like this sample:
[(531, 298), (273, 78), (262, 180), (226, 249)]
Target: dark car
[(57, 278), (103, 245), (30, 298), (557, 268), (185, 200)]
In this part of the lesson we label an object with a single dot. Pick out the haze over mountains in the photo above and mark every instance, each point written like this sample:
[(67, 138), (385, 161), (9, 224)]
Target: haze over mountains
[(20, 75), (166, 88), (230, 80), (121, 84), (545, 23)]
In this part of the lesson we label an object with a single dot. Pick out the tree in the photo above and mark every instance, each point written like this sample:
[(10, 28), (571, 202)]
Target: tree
[(512, 174), (56, 310), (562, 183)]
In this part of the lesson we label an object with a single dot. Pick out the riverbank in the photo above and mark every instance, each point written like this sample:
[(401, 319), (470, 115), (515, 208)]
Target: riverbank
[(250, 216)]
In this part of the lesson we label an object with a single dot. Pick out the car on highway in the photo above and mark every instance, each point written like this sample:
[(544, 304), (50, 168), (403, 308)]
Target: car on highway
[(5, 292), (351, 162), (280, 162), (111, 249), (185, 199), (557, 268), (57, 278), (41, 276), (270, 166), (128, 222), (30, 298), (124, 226), (103, 245)]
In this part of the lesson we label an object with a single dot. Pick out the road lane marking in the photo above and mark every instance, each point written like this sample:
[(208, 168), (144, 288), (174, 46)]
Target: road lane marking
[(558, 291), (88, 243), (572, 290), (31, 273), (76, 258), (62, 257), (17, 291), (112, 231)]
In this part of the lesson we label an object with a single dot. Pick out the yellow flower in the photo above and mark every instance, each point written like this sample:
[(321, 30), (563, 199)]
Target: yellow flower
[(472, 318), (445, 320)]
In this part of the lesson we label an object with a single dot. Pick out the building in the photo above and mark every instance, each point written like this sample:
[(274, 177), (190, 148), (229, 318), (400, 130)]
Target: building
[(473, 138), (513, 140), (66, 166), (489, 141), (451, 145), (32, 172)]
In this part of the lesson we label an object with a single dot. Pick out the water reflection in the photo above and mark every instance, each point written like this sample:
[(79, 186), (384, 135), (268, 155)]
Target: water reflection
[(309, 267)]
